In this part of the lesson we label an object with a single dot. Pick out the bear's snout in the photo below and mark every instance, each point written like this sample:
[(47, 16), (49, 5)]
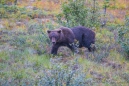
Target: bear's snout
[(53, 40)]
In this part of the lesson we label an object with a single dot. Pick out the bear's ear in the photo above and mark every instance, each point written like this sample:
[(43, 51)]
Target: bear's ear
[(59, 31), (48, 31)]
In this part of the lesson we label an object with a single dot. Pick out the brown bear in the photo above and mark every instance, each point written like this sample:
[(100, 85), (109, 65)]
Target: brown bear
[(66, 36)]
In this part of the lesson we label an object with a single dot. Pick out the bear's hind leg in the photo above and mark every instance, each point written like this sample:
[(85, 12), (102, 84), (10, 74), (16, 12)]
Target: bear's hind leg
[(89, 46), (88, 43), (89, 49)]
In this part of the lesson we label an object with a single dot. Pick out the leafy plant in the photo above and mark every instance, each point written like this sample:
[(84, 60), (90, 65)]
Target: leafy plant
[(3, 1), (59, 76), (5, 10), (8, 1), (75, 12), (2, 12), (123, 34)]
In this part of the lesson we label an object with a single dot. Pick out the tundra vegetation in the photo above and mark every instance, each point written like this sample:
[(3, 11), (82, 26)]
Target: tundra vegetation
[(25, 46)]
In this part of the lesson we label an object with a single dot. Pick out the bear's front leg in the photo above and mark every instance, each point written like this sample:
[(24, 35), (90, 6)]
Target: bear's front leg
[(55, 49)]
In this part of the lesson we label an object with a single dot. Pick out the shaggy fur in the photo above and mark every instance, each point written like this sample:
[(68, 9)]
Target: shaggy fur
[(65, 37)]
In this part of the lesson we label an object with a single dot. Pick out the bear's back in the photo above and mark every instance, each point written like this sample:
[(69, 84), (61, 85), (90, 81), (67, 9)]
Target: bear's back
[(80, 32), (68, 34)]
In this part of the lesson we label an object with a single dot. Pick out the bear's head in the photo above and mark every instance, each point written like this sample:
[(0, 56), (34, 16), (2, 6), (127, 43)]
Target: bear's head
[(54, 35)]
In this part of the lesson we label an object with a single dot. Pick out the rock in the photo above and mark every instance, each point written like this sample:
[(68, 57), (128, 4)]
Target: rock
[(19, 23), (30, 7), (32, 51), (1, 26), (32, 0)]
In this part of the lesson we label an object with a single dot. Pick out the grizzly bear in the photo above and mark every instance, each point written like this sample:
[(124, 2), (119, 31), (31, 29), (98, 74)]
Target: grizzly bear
[(66, 36)]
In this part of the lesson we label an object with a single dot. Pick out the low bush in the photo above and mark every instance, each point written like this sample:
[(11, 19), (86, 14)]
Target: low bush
[(123, 35), (5, 10), (64, 77), (20, 12)]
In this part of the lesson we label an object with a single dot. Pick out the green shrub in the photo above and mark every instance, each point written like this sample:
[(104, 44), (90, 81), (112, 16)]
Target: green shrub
[(75, 12), (36, 13), (5, 10), (123, 35), (11, 9), (3, 1), (19, 41), (2, 12), (8, 2), (59, 76)]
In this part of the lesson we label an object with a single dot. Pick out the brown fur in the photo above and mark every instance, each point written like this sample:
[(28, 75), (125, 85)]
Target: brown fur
[(65, 37), (62, 36)]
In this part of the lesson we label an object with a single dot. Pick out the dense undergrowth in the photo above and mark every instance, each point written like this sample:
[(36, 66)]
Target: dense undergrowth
[(25, 49)]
